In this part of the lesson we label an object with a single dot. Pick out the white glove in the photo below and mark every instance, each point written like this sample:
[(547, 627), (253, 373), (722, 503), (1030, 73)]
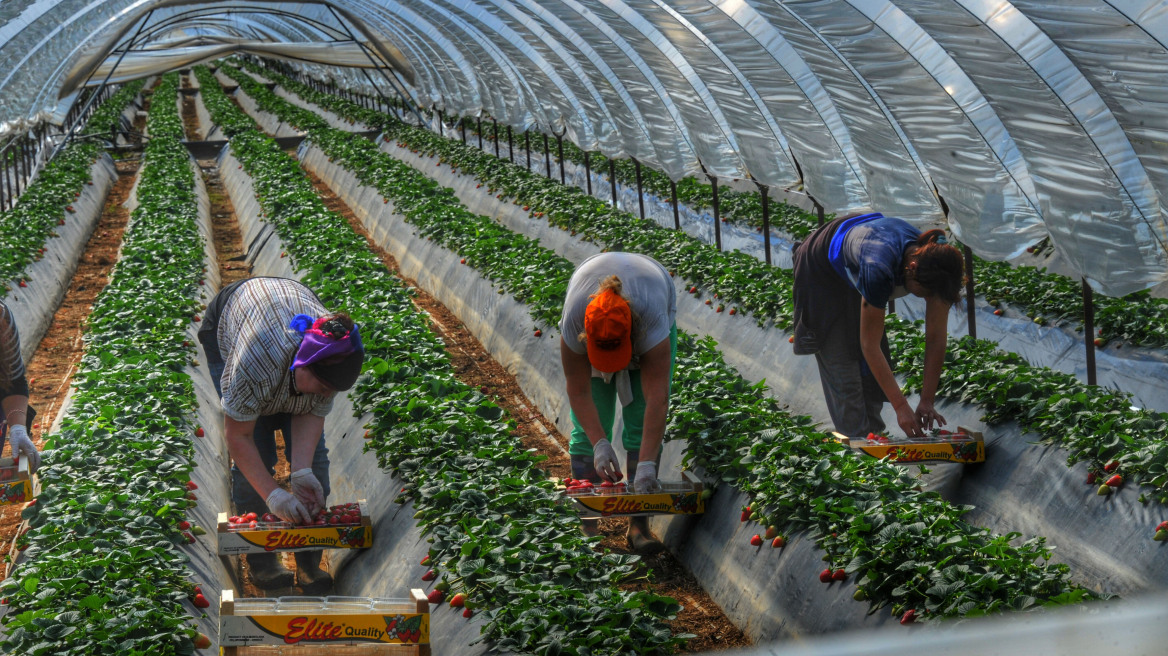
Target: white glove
[(308, 490), (604, 460), (18, 434), (285, 505), (646, 480)]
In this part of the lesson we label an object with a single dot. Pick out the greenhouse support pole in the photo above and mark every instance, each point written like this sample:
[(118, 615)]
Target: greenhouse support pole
[(527, 147), (588, 171), (818, 211), (16, 161), (764, 192), (388, 78), (970, 314), (547, 157), (560, 154), (510, 145), (640, 187), (717, 217), (441, 124), (612, 177), (480, 130), (462, 128), (673, 199), (495, 135), (5, 191), (1089, 330)]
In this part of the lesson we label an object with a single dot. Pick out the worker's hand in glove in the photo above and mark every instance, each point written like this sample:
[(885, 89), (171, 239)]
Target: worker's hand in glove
[(287, 507), (646, 480), (21, 444), (604, 460), (308, 490)]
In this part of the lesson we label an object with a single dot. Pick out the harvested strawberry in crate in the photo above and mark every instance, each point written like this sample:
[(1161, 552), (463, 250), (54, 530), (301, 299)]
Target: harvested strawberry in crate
[(340, 526)]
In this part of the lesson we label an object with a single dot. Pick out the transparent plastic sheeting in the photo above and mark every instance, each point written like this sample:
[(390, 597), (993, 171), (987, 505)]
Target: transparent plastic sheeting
[(1028, 118)]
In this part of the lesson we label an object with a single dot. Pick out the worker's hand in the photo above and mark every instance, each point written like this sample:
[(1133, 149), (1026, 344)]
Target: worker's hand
[(908, 421), (308, 490), (927, 415), (646, 480), (604, 460), (285, 505), (21, 444)]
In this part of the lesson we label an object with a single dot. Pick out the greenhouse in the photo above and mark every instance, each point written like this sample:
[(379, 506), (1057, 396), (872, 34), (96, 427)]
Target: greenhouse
[(317, 317)]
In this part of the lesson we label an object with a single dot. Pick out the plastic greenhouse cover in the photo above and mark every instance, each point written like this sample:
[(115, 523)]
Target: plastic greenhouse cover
[(1027, 119)]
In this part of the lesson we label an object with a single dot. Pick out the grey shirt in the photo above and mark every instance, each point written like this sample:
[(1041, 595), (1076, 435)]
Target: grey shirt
[(645, 283)]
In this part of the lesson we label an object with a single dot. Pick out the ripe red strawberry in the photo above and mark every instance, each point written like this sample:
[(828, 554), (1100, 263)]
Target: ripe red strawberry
[(909, 616), (709, 301), (1111, 466), (791, 339), (746, 513), (756, 541), (1099, 341), (1115, 481), (825, 575), (201, 601), (693, 290), (1090, 478), (1162, 526), (430, 575), (191, 485), (184, 525), (839, 575), (778, 542), (192, 496), (538, 332), (467, 613), (188, 537), (462, 261), (998, 312), (199, 432), (69, 209), (202, 641), (436, 596), (458, 601), (720, 308), (733, 310), (23, 284)]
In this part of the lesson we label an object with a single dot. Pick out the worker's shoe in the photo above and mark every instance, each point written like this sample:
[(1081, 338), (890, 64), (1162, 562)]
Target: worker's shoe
[(313, 579), (641, 539), (590, 527), (267, 572)]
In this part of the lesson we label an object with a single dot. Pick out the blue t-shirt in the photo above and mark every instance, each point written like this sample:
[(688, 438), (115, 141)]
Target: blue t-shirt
[(869, 254)]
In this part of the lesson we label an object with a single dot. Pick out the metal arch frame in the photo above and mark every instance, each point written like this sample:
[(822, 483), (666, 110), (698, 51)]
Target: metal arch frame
[(1089, 110), (751, 92), (511, 37), (646, 71), (654, 36), (965, 94), (507, 68), (809, 83)]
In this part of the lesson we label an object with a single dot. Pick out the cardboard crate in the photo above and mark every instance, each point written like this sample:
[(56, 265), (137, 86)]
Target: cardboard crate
[(284, 537), (965, 446), (16, 483), (680, 498), (319, 626)]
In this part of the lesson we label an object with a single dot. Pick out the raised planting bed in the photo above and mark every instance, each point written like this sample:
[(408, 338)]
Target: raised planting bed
[(112, 543), (474, 489)]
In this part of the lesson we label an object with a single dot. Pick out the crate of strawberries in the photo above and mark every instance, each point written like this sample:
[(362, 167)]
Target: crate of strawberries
[(342, 526), (606, 499)]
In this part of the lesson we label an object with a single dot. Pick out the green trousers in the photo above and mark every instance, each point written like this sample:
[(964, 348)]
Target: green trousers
[(605, 399)]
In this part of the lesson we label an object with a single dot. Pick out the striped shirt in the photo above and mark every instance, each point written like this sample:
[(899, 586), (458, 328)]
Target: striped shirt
[(258, 348), (15, 385)]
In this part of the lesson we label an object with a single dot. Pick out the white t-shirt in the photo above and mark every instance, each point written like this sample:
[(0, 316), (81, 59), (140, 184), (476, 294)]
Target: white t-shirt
[(645, 283)]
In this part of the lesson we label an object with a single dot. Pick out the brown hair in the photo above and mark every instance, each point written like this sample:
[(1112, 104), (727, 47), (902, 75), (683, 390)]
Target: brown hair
[(612, 283), (940, 266)]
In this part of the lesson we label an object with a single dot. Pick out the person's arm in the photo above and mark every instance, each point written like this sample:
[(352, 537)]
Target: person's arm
[(936, 336), (578, 372), (655, 388), (306, 432), (871, 332), (16, 410), (241, 446)]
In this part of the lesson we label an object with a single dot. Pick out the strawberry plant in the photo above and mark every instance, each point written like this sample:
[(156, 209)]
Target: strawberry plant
[(103, 572)]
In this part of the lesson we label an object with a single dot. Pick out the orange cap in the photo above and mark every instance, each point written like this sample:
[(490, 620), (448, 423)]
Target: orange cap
[(608, 322)]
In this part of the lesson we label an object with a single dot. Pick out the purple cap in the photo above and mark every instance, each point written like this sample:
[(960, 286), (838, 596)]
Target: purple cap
[(333, 353)]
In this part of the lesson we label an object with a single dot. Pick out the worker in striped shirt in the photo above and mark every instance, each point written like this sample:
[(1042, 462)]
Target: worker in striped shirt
[(278, 358), (14, 392)]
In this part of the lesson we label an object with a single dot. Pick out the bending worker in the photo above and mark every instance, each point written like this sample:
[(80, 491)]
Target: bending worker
[(845, 274), (14, 392), (278, 357), (618, 343)]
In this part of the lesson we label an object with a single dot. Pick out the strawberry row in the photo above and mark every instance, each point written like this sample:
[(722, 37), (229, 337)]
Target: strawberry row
[(872, 504), (1098, 427), (478, 494), (104, 572), (49, 199)]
